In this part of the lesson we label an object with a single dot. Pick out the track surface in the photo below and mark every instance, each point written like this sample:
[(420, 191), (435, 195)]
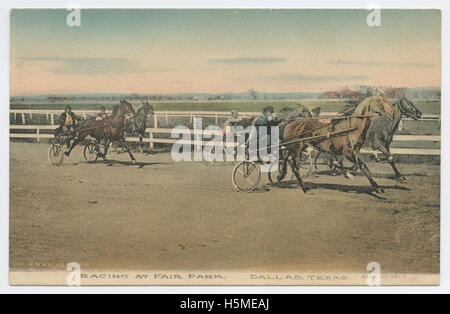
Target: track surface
[(186, 216)]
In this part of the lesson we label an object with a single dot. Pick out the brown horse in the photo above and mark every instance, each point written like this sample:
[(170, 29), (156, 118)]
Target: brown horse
[(341, 136), (110, 129)]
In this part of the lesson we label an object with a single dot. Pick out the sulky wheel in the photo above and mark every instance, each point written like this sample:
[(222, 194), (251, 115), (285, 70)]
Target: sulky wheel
[(91, 152), (56, 154), (246, 176), (275, 171), (323, 162), (305, 167)]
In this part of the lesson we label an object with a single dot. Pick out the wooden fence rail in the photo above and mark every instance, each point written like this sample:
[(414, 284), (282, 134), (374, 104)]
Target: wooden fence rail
[(151, 139)]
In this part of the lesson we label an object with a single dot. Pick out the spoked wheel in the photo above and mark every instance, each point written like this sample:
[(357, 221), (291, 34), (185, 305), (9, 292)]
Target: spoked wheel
[(323, 162), (305, 165), (275, 171), (91, 152), (246, 176), (56, 154), (305, 168), (216, 162)]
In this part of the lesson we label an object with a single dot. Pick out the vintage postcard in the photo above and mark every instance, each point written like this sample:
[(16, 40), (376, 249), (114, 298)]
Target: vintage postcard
[(225, 147)]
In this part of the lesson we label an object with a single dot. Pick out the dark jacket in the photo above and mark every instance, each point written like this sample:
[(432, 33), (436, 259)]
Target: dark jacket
[(62, 118)]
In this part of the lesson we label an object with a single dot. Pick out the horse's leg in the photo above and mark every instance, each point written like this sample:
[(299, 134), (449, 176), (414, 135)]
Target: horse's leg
[(299, 177), (337, 166), (283, 170), (378, 146), (390, 160), (384, 148), (107, 143), (353, 157), (74, 143), (398, 175), (365, 170), (129, 151), (295, 169), (141, 140)]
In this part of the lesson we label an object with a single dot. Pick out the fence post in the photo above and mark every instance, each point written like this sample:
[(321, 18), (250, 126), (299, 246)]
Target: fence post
[(52, 119), (23, 118), (155, 121), (37, 133), (152, 145)]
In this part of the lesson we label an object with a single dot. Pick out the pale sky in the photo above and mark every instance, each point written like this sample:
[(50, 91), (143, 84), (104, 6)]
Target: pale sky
[(193, 51)]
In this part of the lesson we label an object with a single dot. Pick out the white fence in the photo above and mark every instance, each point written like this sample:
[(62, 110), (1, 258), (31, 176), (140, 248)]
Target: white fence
[(38, 134)]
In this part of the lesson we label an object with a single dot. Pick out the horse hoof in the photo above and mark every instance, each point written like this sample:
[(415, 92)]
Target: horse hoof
[(379, 190), (134, 162), (348, 175), (401, 179), (67, 154)]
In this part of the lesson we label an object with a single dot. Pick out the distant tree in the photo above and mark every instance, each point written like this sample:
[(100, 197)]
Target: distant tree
[(253, 94)]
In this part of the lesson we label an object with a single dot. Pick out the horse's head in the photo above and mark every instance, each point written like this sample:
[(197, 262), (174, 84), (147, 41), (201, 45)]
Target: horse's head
[(148, 108), (126, 108), (378, 104), (316, 112), (408, 108)]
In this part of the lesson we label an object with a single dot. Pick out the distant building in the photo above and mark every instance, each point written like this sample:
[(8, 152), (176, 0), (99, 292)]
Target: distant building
[(59, 98), (341, 94), (395, 92), (220, 97)]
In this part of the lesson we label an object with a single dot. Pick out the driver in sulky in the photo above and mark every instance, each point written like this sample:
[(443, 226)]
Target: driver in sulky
[(266, 119), (67, 122)]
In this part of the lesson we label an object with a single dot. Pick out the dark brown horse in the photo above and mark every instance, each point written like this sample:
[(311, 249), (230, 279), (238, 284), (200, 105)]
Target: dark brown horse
[(382, 129), (343, 136), (110, 129), (137, 125)]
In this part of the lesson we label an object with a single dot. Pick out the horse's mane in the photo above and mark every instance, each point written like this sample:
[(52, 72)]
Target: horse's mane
[(376, 104), (347, 111), (286, 109), (144, 108), (115, 109), (141, 109)]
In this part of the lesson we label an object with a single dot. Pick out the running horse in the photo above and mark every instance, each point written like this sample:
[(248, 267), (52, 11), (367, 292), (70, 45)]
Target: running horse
[(137, 125), (110, 129), (382, 129), (348, 138)]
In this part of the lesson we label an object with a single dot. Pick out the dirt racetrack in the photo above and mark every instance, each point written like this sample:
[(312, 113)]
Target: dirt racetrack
[(186, 216)]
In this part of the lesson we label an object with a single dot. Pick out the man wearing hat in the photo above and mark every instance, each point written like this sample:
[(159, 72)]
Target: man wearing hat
[(102, 114), (265, 119), (234, 119), (67, 121)]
